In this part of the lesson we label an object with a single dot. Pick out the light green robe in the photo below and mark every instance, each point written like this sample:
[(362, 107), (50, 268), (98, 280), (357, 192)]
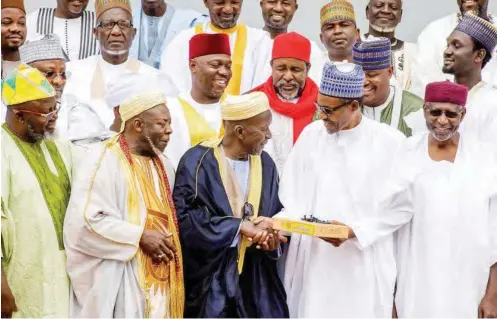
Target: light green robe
[(410, 103), (33, 256)]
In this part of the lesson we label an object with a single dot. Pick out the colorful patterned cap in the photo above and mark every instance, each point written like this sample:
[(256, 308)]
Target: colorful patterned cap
[(25, 84), (337, 10), (47, 48), (242, 107), (373, 54), (103, 5), (343, 80), (139, 104), (19, 4), (479, 29)]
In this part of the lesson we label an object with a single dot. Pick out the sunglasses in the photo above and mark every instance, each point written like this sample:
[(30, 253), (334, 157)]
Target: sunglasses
[(448, 114), (330, 111), (47, 116)]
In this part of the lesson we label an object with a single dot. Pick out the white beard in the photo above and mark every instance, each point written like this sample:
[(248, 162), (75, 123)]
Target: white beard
[(382, 29), (116, 53)]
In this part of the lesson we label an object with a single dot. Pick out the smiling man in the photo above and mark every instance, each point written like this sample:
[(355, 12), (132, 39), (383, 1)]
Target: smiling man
[(339, 33), (196, 115), (277, 15), (250, 49), (91, 77), (433, 41), (71, 22), (384, 99), (384, 16), (13, 34), (325, 176)]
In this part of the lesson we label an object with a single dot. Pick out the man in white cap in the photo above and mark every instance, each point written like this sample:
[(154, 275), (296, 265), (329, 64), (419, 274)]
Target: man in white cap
[(225, 191), (123, 250), (336, 170)]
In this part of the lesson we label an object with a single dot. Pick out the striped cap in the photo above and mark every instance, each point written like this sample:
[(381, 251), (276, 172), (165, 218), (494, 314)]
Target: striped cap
[(342, 80), (103, 5), (479, 29), (373, 54), (337, 10)]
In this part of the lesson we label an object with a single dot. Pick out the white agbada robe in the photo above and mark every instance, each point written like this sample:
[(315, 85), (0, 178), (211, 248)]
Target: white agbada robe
[(80, 86), (429, 62), (338, 177), (257, 56), (102, 243), (448, 239), (180, 138)]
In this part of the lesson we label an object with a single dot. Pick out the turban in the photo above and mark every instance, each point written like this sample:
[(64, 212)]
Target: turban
[(25, 84), (47, 48), (103, 5), (128, 85), (373, 54), (337, 10), (139, 104), (292, 45), (242, 107), (205, 44), (479, 29), (342, 80), (446, 92), (19, 4)]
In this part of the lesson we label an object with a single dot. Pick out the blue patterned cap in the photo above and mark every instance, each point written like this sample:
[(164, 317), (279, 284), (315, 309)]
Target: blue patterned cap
[(373, 54), (342, 80), (479, 29)]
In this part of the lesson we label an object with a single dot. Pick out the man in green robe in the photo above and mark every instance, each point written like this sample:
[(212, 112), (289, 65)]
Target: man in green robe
[(384, 99), (36, 176)]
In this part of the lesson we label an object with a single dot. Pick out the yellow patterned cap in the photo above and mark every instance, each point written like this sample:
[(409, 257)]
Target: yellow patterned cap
[(139, 104), (25, 84), (103, 5), (242, 107), (337, 10)]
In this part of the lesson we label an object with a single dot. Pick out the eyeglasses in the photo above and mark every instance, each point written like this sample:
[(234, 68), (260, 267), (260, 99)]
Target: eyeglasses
[(448, 114), (50, 75), (330, 111), (47, 116), (109, 24)]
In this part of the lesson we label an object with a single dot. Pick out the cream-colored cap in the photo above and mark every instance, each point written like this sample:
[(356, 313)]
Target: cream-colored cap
[(242, 107), (139, 104)]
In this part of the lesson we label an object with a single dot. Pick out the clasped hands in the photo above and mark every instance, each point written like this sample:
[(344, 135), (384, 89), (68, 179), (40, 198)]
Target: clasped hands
[(261, 232), (158, 245)]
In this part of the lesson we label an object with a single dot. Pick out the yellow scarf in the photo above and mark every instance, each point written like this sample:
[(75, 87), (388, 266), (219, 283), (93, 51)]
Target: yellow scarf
[(237, 56)]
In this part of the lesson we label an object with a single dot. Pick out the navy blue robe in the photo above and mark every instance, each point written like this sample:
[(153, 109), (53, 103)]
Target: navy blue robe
[(213, 287)]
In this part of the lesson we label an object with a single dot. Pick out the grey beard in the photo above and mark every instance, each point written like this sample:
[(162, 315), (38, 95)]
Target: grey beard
[(382, 29), (157, 152), (116, 53), (33, 135)]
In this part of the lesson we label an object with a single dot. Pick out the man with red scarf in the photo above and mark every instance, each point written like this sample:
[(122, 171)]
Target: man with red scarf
[(291, 94)]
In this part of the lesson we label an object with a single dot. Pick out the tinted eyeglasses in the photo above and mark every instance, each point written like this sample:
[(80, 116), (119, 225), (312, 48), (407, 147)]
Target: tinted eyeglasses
[(109, 24), (47, 116), (448, 114), (330, 111), (50, 75)]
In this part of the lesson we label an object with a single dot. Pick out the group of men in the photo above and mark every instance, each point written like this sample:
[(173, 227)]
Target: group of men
[(151, 146)]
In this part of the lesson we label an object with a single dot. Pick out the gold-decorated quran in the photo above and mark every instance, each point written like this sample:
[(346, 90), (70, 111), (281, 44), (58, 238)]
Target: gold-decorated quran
[(311, 226)]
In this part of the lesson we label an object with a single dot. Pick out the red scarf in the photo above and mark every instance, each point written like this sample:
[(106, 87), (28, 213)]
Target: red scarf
[(301, 112)]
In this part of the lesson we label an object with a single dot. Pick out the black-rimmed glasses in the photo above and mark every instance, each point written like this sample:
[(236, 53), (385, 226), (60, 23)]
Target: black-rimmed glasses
[(109, 24)]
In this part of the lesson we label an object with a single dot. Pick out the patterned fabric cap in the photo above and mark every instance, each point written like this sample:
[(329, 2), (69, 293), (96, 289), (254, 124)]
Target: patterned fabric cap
[(47, 48), (103, 5), (373, 54), (139, 104), (446, 92), (242, 107), (19, 4), (25, 84), (479, 29), (337, 10), (343, 80)]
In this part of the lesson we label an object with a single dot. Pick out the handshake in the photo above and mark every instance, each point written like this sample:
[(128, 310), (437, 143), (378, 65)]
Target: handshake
[(261, 233)]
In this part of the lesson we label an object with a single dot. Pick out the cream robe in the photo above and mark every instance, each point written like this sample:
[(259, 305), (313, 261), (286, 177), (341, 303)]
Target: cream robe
[(180, 139), (101, 242), (338, 177), (432, 43), (79, 84), (449, 241), (257, 55)]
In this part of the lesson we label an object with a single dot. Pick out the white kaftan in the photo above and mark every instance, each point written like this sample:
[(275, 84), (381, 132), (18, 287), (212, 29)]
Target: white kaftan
[(256, 57), (428, 64), (449, 241), (338, 177), (102, 241)]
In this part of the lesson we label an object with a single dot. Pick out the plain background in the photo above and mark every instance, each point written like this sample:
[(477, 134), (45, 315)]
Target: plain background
[(417, 14)]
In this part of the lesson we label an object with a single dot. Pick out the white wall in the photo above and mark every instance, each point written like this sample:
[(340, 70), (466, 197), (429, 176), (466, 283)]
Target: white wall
[(417, 14)]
